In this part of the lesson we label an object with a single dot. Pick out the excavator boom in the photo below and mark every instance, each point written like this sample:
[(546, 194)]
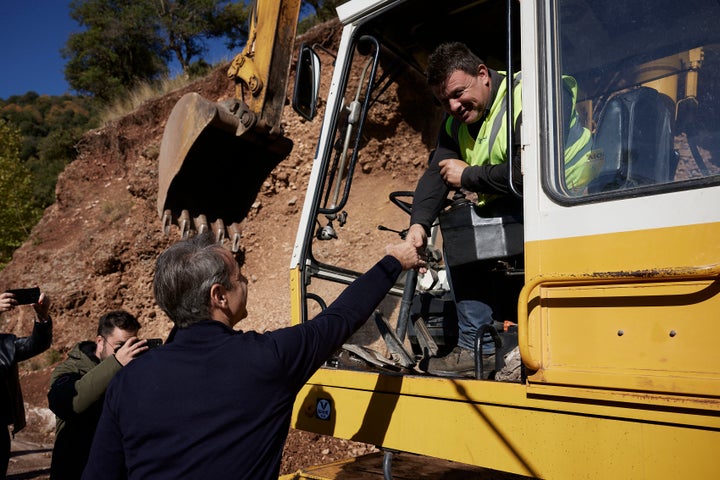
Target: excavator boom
[(215, 156)]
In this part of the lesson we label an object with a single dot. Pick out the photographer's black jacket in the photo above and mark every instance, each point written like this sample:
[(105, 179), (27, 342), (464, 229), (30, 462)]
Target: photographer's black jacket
[(12, 351)]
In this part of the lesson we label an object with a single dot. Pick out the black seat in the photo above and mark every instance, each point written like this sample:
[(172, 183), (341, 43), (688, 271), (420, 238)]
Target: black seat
[(635, 134)]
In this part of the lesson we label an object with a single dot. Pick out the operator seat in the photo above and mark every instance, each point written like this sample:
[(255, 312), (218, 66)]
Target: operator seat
[(635, 134)]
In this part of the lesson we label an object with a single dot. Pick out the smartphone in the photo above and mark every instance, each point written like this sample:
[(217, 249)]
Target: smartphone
[(26, 296), (153, 342)]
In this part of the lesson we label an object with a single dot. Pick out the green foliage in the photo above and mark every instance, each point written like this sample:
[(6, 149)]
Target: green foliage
[(120, 46), (17, 213), (232, 24), (128, 42), (198, 69), (322, 11), (49, 127), (187, 24)]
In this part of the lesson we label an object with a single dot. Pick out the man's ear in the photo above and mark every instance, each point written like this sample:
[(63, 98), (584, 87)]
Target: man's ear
[(483, 75), (217, 295)]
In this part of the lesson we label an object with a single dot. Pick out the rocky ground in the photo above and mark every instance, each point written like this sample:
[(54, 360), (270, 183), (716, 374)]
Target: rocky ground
[(94, 249)]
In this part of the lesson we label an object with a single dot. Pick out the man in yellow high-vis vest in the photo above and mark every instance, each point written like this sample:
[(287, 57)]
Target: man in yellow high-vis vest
[(472, 155)]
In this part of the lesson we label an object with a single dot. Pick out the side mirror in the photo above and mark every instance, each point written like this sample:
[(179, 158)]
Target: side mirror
[(307, 83)]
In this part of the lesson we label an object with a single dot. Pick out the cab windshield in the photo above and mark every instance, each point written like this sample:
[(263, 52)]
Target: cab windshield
[(647, 89)]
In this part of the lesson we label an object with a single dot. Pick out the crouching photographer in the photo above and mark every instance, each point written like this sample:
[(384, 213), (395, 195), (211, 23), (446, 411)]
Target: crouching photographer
[(77, 388)]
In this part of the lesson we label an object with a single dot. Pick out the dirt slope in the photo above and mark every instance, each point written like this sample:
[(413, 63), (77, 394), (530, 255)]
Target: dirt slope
[(94, 249)]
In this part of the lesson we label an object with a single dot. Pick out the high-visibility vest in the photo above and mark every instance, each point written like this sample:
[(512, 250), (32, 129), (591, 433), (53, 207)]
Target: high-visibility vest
[(490, 145)]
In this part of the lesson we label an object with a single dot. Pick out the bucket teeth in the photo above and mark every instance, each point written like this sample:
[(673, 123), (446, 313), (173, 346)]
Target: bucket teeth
[(235, 232), (166, 222), (201, 224), (219, 229), (188, 226), (184, 223)]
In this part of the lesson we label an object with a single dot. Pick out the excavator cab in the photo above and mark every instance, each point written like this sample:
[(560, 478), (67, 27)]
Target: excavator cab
[(214, 156)]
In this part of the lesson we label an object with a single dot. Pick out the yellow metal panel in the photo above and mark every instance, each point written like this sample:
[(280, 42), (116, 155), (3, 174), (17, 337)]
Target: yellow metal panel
[(643, 250), (648, 327), (500, 426), (296, 303), (653, 337)]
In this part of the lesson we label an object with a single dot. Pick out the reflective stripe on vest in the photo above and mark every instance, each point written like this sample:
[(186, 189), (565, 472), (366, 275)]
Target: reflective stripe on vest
[(579, 170)]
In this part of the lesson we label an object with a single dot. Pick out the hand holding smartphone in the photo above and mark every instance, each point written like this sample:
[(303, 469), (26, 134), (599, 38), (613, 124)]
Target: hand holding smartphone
[(25, 296), (153, 342)]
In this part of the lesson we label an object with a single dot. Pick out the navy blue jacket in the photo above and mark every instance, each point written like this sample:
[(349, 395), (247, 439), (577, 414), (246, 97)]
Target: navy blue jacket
[(216, 403)]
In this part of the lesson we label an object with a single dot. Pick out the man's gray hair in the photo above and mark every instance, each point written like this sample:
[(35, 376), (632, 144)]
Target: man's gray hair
[(448, 58), (184, 274)]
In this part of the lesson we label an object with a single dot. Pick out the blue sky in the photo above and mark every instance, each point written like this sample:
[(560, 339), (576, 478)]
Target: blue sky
[(32, 32)]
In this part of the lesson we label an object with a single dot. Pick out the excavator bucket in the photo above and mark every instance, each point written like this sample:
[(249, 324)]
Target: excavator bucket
[(212, 164)]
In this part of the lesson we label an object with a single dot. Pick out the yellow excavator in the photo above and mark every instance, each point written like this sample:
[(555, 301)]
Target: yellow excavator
[(616, 310), (215, 156)]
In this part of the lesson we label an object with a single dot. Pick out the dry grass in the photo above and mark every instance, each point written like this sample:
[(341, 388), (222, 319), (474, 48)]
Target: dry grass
[(144, 92)]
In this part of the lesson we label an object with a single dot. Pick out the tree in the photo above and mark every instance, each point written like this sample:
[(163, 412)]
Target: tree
[(324, 11), (232, 24), (17, 214), (49, 127), (131, 41), (121, 46), (187, 24)]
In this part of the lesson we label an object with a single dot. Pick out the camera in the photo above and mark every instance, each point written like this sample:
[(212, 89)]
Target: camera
[(153, 342), (150, 343)]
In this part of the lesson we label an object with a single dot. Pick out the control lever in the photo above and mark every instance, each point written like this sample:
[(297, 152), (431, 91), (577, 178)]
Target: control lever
[(402, 233)]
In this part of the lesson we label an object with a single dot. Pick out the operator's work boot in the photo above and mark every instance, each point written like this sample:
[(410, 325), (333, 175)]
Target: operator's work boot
[(460, 362)]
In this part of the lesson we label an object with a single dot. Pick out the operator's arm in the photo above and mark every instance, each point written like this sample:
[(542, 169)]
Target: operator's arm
[(493, 178), (430, 193), (304, 348), (71, 393), (431, 190)]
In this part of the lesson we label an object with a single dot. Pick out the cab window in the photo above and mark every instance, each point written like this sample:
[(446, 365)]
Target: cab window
[(637, 97)]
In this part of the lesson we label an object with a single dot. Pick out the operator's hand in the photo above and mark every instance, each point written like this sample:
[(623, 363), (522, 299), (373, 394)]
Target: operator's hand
[(451, 171), (417, 237), (130, 350), (7, 302), (406, 254), (42, 307)]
